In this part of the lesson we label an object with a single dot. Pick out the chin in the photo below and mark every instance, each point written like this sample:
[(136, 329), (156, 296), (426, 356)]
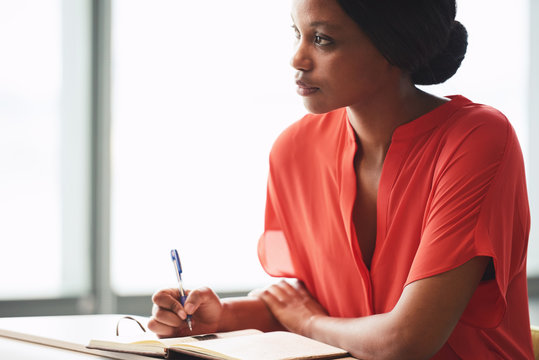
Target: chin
[(316, 107)]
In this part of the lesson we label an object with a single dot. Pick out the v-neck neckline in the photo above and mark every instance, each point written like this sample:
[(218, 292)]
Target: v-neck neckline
[(401, 140)]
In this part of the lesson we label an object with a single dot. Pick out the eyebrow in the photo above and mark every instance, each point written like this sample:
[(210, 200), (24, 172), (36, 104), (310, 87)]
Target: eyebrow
[(324, 24), (321, 23)]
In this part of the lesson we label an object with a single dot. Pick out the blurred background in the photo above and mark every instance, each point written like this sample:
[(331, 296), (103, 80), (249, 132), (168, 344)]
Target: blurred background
[(131, 127)]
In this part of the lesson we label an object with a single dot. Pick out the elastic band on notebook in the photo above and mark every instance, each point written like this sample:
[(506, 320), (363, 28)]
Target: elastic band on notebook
[(130, 318)]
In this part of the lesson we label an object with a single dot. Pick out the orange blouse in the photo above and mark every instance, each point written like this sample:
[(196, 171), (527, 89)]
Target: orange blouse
[(452, 188)]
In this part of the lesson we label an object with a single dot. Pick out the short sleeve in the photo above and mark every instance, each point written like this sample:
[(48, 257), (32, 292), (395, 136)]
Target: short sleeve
[(478, 207), (274, 251)]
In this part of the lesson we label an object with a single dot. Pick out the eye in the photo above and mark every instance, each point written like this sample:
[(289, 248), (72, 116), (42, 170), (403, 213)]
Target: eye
[(296, 31), (322, 41)]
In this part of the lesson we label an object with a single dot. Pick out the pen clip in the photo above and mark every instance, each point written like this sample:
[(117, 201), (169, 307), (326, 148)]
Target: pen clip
[(178, 266), (176, 261)]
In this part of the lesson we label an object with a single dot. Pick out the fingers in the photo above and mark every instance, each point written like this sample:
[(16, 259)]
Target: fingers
[(167, 313), (162, 330), (280, 291), (168, 299), (276, 293), (301, 289), (198, 297), (283, 292), (166, 317), (164, 322)]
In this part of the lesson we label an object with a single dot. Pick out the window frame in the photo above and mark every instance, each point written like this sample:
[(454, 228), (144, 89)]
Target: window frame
[(101, 298), (533, 133)]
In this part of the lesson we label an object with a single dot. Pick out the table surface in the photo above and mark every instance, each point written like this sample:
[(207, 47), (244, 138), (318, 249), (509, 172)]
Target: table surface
[(11, 349), (64, 337)]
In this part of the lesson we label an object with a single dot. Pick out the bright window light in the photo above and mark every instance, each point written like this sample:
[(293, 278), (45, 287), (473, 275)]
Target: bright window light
[(200, 92), (44, 158)]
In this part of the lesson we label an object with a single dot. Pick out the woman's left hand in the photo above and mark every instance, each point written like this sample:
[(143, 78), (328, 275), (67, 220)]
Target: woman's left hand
[(292, 305)]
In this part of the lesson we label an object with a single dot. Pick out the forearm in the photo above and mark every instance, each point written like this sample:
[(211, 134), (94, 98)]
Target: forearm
[(370, 337), (247, 313), (416, 328)]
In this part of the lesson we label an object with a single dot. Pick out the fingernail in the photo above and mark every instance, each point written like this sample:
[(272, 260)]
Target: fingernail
[(182, 314), (189, 308)]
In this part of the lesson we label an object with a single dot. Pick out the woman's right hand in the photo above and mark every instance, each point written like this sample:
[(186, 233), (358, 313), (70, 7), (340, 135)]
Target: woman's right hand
[(168, 314)]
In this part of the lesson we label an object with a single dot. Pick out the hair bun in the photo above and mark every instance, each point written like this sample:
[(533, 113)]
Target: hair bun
[(446, 63)]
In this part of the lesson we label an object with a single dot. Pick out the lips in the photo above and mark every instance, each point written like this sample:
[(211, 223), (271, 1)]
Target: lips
[(305, 89)]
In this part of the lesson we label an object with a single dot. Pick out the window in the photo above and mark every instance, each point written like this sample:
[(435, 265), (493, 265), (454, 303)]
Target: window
[(200, 92), (496, 68), (44, 154)]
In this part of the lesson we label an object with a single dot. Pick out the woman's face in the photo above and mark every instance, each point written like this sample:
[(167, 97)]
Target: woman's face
[(336, 63)]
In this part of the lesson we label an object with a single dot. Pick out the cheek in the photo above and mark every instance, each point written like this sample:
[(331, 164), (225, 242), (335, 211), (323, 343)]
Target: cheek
[(350, 79), (341, 85), (362, 76)]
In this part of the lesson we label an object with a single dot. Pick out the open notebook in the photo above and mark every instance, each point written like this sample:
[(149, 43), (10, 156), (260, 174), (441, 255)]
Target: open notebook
[(244, 344)]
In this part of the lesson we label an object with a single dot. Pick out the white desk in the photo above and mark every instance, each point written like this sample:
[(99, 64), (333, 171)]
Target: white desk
[(11, 349), (65, 337), (62, 337)]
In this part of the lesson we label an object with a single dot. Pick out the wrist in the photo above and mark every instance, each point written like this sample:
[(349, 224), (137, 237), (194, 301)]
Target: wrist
[(224, 323), (246, 313), (236, 314), (309, 329)]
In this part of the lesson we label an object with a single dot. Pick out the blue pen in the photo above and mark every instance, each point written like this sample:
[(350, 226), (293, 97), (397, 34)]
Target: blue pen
[(178, 267)]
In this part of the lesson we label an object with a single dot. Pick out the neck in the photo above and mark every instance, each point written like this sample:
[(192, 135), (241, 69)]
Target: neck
[(375, 121)]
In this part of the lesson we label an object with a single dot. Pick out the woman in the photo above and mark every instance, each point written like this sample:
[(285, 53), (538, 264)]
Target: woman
[(403, 215)]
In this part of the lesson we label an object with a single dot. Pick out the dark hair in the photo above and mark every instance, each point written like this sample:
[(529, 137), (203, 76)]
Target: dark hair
[(421, 37)]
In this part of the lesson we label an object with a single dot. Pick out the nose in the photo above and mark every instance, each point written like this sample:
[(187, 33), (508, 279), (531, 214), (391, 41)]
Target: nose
[(301, 59)]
